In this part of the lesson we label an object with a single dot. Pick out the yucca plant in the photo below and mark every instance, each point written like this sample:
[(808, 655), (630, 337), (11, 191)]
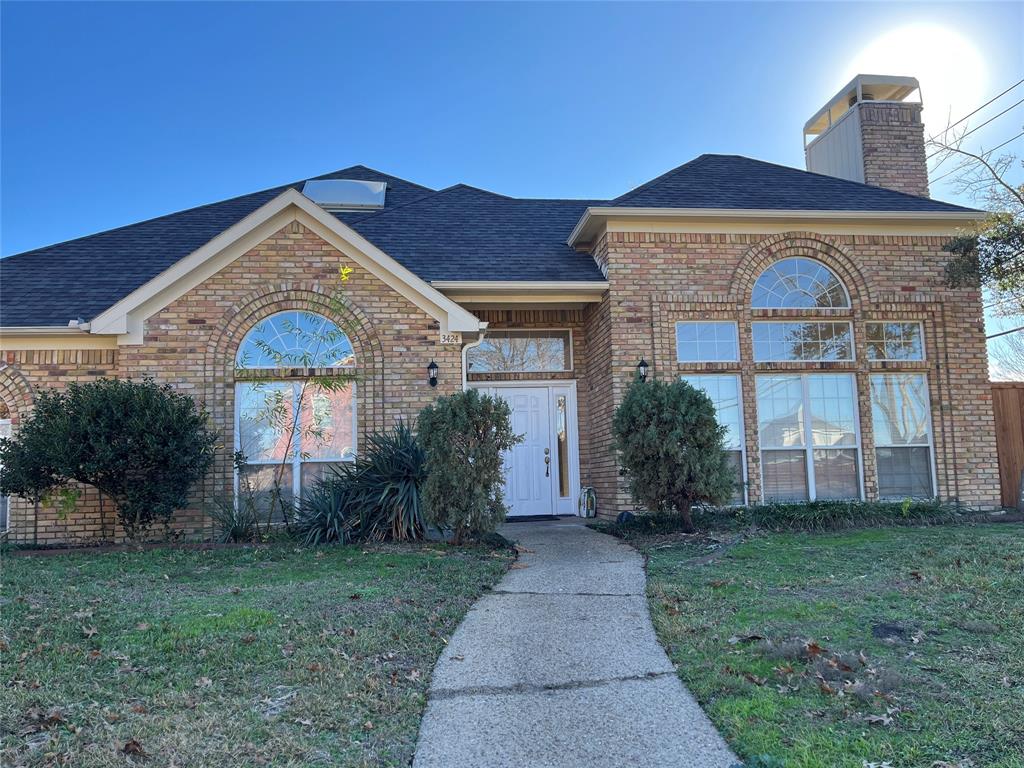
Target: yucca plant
[(322, 516), (375, 497), (384, 484)]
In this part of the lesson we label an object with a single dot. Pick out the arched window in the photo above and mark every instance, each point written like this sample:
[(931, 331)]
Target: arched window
[(295, 414), (295, 340), (799, 283)]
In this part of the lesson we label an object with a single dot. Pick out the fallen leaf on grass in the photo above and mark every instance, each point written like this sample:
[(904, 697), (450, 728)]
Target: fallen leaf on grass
[(737, 639), (755, 679), (204, 682), (355, 596), (367, 726), (142, 626), (83, 614), (89, 631), (878, 720), (134, 749), (248, 639), (518, 566), (813, 649)]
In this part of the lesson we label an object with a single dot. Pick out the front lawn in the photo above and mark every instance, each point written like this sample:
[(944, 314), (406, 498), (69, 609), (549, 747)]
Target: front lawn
[(269, 656), (895, 647)]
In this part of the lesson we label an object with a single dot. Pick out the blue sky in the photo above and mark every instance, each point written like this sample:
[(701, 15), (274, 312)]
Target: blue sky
[(112, 113)]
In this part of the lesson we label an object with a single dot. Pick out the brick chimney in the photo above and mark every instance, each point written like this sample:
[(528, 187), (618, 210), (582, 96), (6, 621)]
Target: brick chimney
[(871, 132)]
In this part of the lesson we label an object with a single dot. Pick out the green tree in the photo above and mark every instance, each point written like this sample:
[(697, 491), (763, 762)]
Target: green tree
[(140, 444), (464, 436), (670, 447)]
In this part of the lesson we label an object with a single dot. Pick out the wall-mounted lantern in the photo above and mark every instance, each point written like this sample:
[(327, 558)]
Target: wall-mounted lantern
[(432, 373), (641, 370)]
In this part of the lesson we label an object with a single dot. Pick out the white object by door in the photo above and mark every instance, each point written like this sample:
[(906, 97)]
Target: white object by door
[(541, 472)]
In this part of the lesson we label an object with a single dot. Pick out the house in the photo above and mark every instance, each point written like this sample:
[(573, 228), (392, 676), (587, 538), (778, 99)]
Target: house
[(809, 305)]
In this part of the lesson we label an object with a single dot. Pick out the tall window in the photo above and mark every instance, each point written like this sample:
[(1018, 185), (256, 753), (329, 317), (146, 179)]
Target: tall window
[(799, 283), (903, 444), (724, 391), (295, 416), (807, 426), (802, 341)]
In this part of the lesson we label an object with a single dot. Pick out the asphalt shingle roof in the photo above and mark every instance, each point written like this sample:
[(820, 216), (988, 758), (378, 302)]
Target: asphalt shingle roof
[(734, 181), (459, 233)]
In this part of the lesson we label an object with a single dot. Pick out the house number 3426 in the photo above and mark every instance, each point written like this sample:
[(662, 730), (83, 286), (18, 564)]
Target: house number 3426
[(451, 338)]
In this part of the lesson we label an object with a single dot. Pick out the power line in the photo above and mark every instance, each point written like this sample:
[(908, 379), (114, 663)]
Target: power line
[(1005, 333), (972, 114), (997, 146), (975, 128)]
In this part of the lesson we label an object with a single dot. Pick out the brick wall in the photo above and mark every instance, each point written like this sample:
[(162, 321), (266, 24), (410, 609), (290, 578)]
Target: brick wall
[(191, 344), (892, 142), (657, 279)]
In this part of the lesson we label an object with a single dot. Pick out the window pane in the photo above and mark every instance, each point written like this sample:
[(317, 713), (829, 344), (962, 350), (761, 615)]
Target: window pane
[(562, 434), (780, 411), (785, 475), (899, 408), (904, 472), (724, 393), (519, 351), (326, 423), (895, 341), (311, 471), (835, 474), (258, 481), (801, 283), (706, 342), (295, 340), (265, 420), (780, 341), (736, 462), (833, 409)]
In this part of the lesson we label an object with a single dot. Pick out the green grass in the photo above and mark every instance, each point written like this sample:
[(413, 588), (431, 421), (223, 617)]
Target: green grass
[(921, 629), (277, 655)]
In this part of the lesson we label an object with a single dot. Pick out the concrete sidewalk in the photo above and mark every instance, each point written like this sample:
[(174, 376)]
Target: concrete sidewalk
[(559, 666)]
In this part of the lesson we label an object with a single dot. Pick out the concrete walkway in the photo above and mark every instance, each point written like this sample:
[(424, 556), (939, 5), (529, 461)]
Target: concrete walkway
[(559, 666)]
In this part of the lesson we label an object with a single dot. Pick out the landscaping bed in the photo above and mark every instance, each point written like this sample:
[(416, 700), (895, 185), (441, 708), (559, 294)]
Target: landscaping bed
[(898, 647), (271, 655)]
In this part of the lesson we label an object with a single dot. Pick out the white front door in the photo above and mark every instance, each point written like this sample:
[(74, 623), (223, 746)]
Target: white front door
[(541, 472)]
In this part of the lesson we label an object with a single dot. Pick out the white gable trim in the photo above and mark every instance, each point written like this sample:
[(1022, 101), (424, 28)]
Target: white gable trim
[(126, 318)]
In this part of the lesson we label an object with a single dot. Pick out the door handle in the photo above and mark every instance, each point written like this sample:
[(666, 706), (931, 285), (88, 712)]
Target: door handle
[(547, 462)]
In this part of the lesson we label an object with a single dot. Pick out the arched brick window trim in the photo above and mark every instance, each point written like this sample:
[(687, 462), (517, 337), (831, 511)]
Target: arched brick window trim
[(807, 244), (230, 330), (16, 394)]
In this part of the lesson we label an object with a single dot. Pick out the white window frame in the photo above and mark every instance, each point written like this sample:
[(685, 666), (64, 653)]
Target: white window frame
[(930, 445), (846, 292), (808, 432), (296, 461), (867, 341), (798, 321), (735, 339), (5, 431), (743, 427), (496, 332)]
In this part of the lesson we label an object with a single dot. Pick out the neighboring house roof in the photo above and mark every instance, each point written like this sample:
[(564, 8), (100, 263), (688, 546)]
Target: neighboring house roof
[(740, 183), (457, 234)]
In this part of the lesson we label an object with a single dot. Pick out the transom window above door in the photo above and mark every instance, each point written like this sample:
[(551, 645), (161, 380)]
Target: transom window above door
[(522, 351), (799, 283)]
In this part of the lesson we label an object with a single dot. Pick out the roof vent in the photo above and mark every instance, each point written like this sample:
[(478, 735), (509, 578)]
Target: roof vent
[(346, 194)]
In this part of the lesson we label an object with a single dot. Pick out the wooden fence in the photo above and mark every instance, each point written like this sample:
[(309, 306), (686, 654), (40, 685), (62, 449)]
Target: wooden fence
[(1008, 404)]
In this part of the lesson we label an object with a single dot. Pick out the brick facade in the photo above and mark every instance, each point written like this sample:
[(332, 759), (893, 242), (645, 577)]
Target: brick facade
[(191, 344), (657, 279), (892, 144)]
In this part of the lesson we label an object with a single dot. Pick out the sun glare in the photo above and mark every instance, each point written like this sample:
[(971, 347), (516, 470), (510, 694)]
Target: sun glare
[(950, 68)]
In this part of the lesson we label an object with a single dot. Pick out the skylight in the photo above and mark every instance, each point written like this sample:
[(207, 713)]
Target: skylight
[(345, 194)]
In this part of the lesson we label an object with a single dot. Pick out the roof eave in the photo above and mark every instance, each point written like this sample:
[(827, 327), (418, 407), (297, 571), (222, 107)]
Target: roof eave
[(594, 216)]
